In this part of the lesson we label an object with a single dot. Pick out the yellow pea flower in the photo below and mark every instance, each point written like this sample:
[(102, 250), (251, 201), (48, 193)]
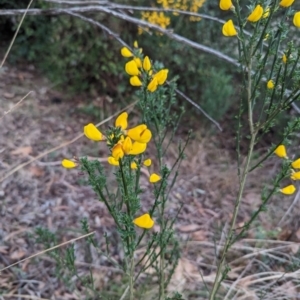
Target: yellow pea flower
[(228, 29), (92, 132), (161, 76), (146, 64), (147, 162), (280, 151), (284, 58), (127, 145), (140, 133), (154, 178), (131, 68), (288, 190), (286, 3), (138, 148), (266, 13), (152, 86), (133, 165), (256, 14), (117, 152), (225, 4), (270, 84), (112, 161), (144, 221), (296, 164), (296, 19), (135, 81), (295, 176), (138, 62), (121, 120), (68, 164), (126, 52)]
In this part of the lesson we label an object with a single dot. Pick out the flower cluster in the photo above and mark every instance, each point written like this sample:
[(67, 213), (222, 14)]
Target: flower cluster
[(258, 13), (280, 151), (160, 19), (141, 70), (123, 142)]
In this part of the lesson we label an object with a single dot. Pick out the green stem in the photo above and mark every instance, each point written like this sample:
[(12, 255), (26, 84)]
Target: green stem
[(131, 279)]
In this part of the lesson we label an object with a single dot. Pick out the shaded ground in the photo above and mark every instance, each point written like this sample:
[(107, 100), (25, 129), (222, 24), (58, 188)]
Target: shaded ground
[(44, 194)]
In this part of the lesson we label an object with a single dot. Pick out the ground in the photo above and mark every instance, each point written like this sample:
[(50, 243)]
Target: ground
[(36, 192)]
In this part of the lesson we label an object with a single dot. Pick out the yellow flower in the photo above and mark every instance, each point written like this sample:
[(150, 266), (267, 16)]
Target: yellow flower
[(131, 68), (154, 178), (146, 64), (126, 52), (133, 165), (286, 3), (270, 84), (256, 14), (161, 76), (140, 133), (147, 162), (296, 164), (296, 19), (121, 121), (288, 190), (68, 164), (117, 152), (280, 151), (284, 58), (127, 145), (295, 176), (152, 86), (138, 148), (228, 29), (92, 132), (267, 13), (138, 62), (111, 160), (135, 81), (135, 44), (225, 4), (144, 221)]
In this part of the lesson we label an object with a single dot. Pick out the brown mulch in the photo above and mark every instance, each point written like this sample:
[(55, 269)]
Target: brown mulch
[(43, 194)]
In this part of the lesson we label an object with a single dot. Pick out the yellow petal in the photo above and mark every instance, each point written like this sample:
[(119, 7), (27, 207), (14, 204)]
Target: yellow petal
[(228, 29), (270, 84), (284, 58), (154, 178), (147, 162), (131, 68), (127, 145), (152, 86), (280, 151), (126, 52), (92, 132), (138, 62), (161, 76), (111, 160), (121, 120), (146, 64), (288, 190), (138, 148), (286, 3), (135, 44), (256, 14), (133, 165), (135, 81), (117, 152), (68, 164), (267, 13), (296, 164), (144, 221), (295, 176), (225, 4), (296, 19), (140, 133)]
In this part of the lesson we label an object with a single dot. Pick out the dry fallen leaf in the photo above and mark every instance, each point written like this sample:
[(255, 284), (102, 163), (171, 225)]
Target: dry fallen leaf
[(18, 254), (23, 151)]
